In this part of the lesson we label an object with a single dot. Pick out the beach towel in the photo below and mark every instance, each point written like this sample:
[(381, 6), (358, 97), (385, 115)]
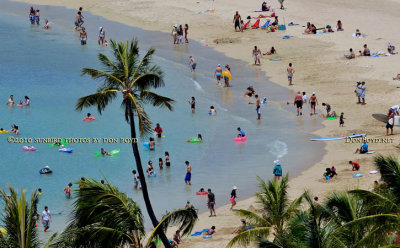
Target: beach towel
[(361, 36), (266, 24), (292, 24), (249, 227), (247, 24), (380, 54), (256, 24), (196, 234), (274, 59), (286, 37)]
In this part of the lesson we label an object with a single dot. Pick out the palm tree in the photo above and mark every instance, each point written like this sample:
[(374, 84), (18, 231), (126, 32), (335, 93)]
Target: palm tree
[(19, 220), (132, 78), (104, 217), (276, 210)]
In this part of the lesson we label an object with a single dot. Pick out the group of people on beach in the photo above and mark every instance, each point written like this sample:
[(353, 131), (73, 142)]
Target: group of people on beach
[(179, 32), (26, 103), (34, 17)]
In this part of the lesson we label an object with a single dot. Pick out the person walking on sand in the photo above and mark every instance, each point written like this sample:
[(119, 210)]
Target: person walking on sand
[(341, 120), (218, 73), (188, 176), (362, 89), (313, 103), (186, 29), (233, 197), (193, 104), (67, 191), (192, 64), (281, 2), (298, 101), (257, 55), (277, 170), (46, 218), (388, 125), (236, 20), (211, 203), (174, 33), (258, 106), (290, 72)]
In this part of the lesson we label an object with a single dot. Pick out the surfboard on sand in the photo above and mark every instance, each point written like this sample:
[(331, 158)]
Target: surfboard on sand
[(339, 137), (383, 118)]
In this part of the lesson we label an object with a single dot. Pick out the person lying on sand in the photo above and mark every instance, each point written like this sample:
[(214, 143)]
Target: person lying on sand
[(308, 28), (270, 52), (241, 228), (358, 33), (260, 16), (397, 77)]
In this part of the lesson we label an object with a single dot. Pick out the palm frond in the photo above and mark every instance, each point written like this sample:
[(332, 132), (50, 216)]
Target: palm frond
[(252, 218), (156, 100), (109, 79), (100, 99), (245, 238), (389, 169)]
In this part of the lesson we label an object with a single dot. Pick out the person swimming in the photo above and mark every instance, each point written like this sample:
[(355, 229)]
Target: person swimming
[(199, 137), (151, 144), (20, 104), (167, 162), (47, 25), (150, 169), (249, 91), (104, 152), (241, 133), (212, 111), (27, 101)]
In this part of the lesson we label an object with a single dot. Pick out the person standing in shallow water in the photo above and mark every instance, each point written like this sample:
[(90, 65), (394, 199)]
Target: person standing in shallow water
[(211, 203), (186, 29), (277, 170), (218, 73), (233, 197), (298, 101), (83, 36), (193, 104), (188, 176)]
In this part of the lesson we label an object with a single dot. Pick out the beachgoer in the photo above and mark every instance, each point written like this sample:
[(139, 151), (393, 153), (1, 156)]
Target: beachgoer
[(211, 203), (67, 191), (241, 228), (10, 101), (257, 55), (397, 77), (136, 181), (241, 26), (366, 51), (313, 103), (102, 182), (226, 78), (152, 144), (341, 120), (27, 101), (249, 91), (174, 33), (304, 97), (193, 104), (212, 111), (298, 101), (104, 152), (192, 64), (32, 13), (180, 35), (339, 26), (358, 33), (78, 20), (281, 2), (102, 36), (264, 6), (271, 51), (391, 49), (395, 109), (37, 17), (39, 191), (290, 71), (47, 24), (313, 29), (352, 55), (236, 20), (46, 218), (328, 109), (211, 231), (218, 73), (258, 106), (81, 16), (186, 29), (355, 166), (316, 200), (150, 169), (233, 197), (362, 88), (187, 204), (308, 28), (158, 130), (188, 173), (199, 137), (277, 171), (377, 186), (89, 116), (105, 43), (160, 163), (363, 149), (388, 125), (241, 132), (83, 36), (167, 162), (177, 238), (20, 104), (14, 129)]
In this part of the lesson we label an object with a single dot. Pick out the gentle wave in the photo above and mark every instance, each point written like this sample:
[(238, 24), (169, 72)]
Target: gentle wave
[(278, 148)]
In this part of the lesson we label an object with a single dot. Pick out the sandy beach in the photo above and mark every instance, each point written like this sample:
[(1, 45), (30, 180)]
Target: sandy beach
[(319, 64)]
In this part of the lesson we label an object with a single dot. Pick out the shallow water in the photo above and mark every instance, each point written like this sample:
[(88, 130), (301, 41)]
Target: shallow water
[(45, 65)]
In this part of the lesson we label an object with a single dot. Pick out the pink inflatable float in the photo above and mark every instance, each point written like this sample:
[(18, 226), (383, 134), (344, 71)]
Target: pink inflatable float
[(27, 148), (89, 119), (241, 138)]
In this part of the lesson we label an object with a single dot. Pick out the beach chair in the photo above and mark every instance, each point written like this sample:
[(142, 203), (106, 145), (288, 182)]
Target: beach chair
[(246, 25), (266, 24), (256, 24)]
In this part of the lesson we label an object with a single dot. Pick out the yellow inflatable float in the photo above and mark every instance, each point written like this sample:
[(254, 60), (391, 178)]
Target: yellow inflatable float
[(226, 74)]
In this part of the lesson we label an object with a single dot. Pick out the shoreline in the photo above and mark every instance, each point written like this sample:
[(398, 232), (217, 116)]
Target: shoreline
[(305, 79)]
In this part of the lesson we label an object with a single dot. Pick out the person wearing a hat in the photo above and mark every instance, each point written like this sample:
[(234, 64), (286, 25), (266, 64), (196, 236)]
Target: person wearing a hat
[(218, 73), (313, 103), (277, 170), (233, 197), (174, 33), (187, 204), (102, 35), (264, 6)]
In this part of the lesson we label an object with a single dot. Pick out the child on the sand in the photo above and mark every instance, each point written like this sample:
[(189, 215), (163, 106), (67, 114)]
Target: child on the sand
[(341, 121)]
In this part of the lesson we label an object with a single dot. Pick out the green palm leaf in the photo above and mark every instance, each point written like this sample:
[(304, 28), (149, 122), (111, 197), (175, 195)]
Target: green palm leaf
[(245, 238)]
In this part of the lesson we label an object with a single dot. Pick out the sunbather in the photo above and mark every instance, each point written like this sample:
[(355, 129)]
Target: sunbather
[(270, 52), (339, 26), (241, 228), (352, 55), (308, 28), (397, 77), (358, 33), (264, 16)]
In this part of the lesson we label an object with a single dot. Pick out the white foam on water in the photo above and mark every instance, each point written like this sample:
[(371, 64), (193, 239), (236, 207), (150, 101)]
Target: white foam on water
[(278, 148), (198, 86)]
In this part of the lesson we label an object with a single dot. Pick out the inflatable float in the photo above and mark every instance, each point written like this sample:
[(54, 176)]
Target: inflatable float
[(67, 150), (373, 172), (153, 174), (3, 131), (45, 170), (241, 138), (226, 74), (27, 148), (194, 140), (202, 193), (91, 118), (146, 144), (112, 153), (358, 175), (63, 142)]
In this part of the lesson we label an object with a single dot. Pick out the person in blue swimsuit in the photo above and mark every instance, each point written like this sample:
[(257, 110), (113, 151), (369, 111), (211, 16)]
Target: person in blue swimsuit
[(241, 132), (218, 73), (32, 14), (37, 17), (188, 176)]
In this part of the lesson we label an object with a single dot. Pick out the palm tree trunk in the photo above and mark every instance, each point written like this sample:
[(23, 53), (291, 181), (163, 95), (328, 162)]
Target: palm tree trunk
[(142, 178)]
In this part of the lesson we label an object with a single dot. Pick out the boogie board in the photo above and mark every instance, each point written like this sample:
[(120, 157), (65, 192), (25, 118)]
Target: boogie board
[(383, 118), (339, 137)]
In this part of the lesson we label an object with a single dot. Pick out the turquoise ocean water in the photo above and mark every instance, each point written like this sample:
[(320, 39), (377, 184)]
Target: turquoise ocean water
[(45, 65)]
